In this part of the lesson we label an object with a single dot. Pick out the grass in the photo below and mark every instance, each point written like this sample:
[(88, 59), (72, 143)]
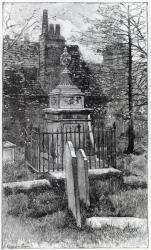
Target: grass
[(131, 203), (25, 230), (55, 231), (134, 168), (41, 219), (35, 204)]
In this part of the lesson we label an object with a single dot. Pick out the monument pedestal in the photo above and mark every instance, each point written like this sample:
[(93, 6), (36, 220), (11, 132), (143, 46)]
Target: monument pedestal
[(66, 119), (66, 125)]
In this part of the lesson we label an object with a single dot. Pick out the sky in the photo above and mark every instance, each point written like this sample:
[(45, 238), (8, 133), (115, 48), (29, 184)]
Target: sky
[(71, 17)]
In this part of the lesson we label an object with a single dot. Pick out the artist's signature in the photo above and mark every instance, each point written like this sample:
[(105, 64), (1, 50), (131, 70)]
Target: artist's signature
[(10, 246)]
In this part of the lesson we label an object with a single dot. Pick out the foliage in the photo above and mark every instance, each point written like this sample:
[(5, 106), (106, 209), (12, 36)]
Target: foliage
[(35, 204), (130, 203), (21, 105), (14, 172), (18, 30), (119, 33), (45, 203), (133, 165), (17, 204)]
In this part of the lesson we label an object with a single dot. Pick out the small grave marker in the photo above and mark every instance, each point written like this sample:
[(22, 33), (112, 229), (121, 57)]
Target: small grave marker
[(8, 152), (70, 163), (83, 182)]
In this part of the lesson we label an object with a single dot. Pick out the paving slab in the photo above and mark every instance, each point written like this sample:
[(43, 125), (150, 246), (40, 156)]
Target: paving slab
[(101, 172), (93, 173), (118, 222), (25, 185)]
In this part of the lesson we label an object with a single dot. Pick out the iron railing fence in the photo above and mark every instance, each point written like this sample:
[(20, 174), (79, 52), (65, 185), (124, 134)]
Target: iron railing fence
[(44, 150)]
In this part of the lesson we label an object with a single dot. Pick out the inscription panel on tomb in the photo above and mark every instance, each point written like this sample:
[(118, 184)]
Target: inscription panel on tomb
[(74, 127), (71, 102)]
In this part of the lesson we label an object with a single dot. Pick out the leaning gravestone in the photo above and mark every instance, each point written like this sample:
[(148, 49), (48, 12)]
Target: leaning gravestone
[(70, 163), (83, 182)]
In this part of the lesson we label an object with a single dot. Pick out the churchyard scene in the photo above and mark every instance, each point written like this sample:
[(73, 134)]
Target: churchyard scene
[(75, 135)]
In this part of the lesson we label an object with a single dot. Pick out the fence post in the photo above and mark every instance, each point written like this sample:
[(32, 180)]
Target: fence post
[(57, 150), (79, 127), (31, 147), (114, 127), (39, 148), (43, 151), (102, 144), (62, 139), (53, 150), (112, 152), (48, 151)]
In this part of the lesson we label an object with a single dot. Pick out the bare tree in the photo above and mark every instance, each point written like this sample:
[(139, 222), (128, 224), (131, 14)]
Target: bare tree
[(122, 24), (18, 30)]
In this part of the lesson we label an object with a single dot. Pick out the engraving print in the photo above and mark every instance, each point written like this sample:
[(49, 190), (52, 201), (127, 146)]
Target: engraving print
[(74, 120)]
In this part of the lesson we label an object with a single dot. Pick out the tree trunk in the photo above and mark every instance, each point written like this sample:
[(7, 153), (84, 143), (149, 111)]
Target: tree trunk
[(130, 148)]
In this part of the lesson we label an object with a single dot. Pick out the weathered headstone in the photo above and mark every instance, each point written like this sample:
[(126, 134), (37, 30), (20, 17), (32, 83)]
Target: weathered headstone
[(70, 164), (8, 152), (83, 182)]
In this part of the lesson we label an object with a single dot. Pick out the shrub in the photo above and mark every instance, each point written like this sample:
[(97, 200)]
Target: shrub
[(140, 148), (17, 204), (34, 205), (140, 163), (130, 203), (8, 191), (46, 203), (14, 172), (133, 165)]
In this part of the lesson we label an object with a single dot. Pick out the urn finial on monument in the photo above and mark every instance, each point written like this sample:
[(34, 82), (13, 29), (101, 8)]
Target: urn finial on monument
[(65, 60)]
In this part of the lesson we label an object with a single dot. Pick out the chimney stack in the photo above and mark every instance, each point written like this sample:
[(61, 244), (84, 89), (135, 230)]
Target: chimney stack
[(57, 31), (45, 22), (51, 29)]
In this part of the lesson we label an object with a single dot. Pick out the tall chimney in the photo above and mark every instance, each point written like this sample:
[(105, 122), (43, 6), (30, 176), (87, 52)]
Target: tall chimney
[(57, 31), (51, 29), (45, 22)]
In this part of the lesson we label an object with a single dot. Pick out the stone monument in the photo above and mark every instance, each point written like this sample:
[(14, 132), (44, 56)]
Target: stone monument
[(66, 110), (66, 102)]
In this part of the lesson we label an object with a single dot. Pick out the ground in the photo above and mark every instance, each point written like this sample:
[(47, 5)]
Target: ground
[(44, 232), (56, 229)]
